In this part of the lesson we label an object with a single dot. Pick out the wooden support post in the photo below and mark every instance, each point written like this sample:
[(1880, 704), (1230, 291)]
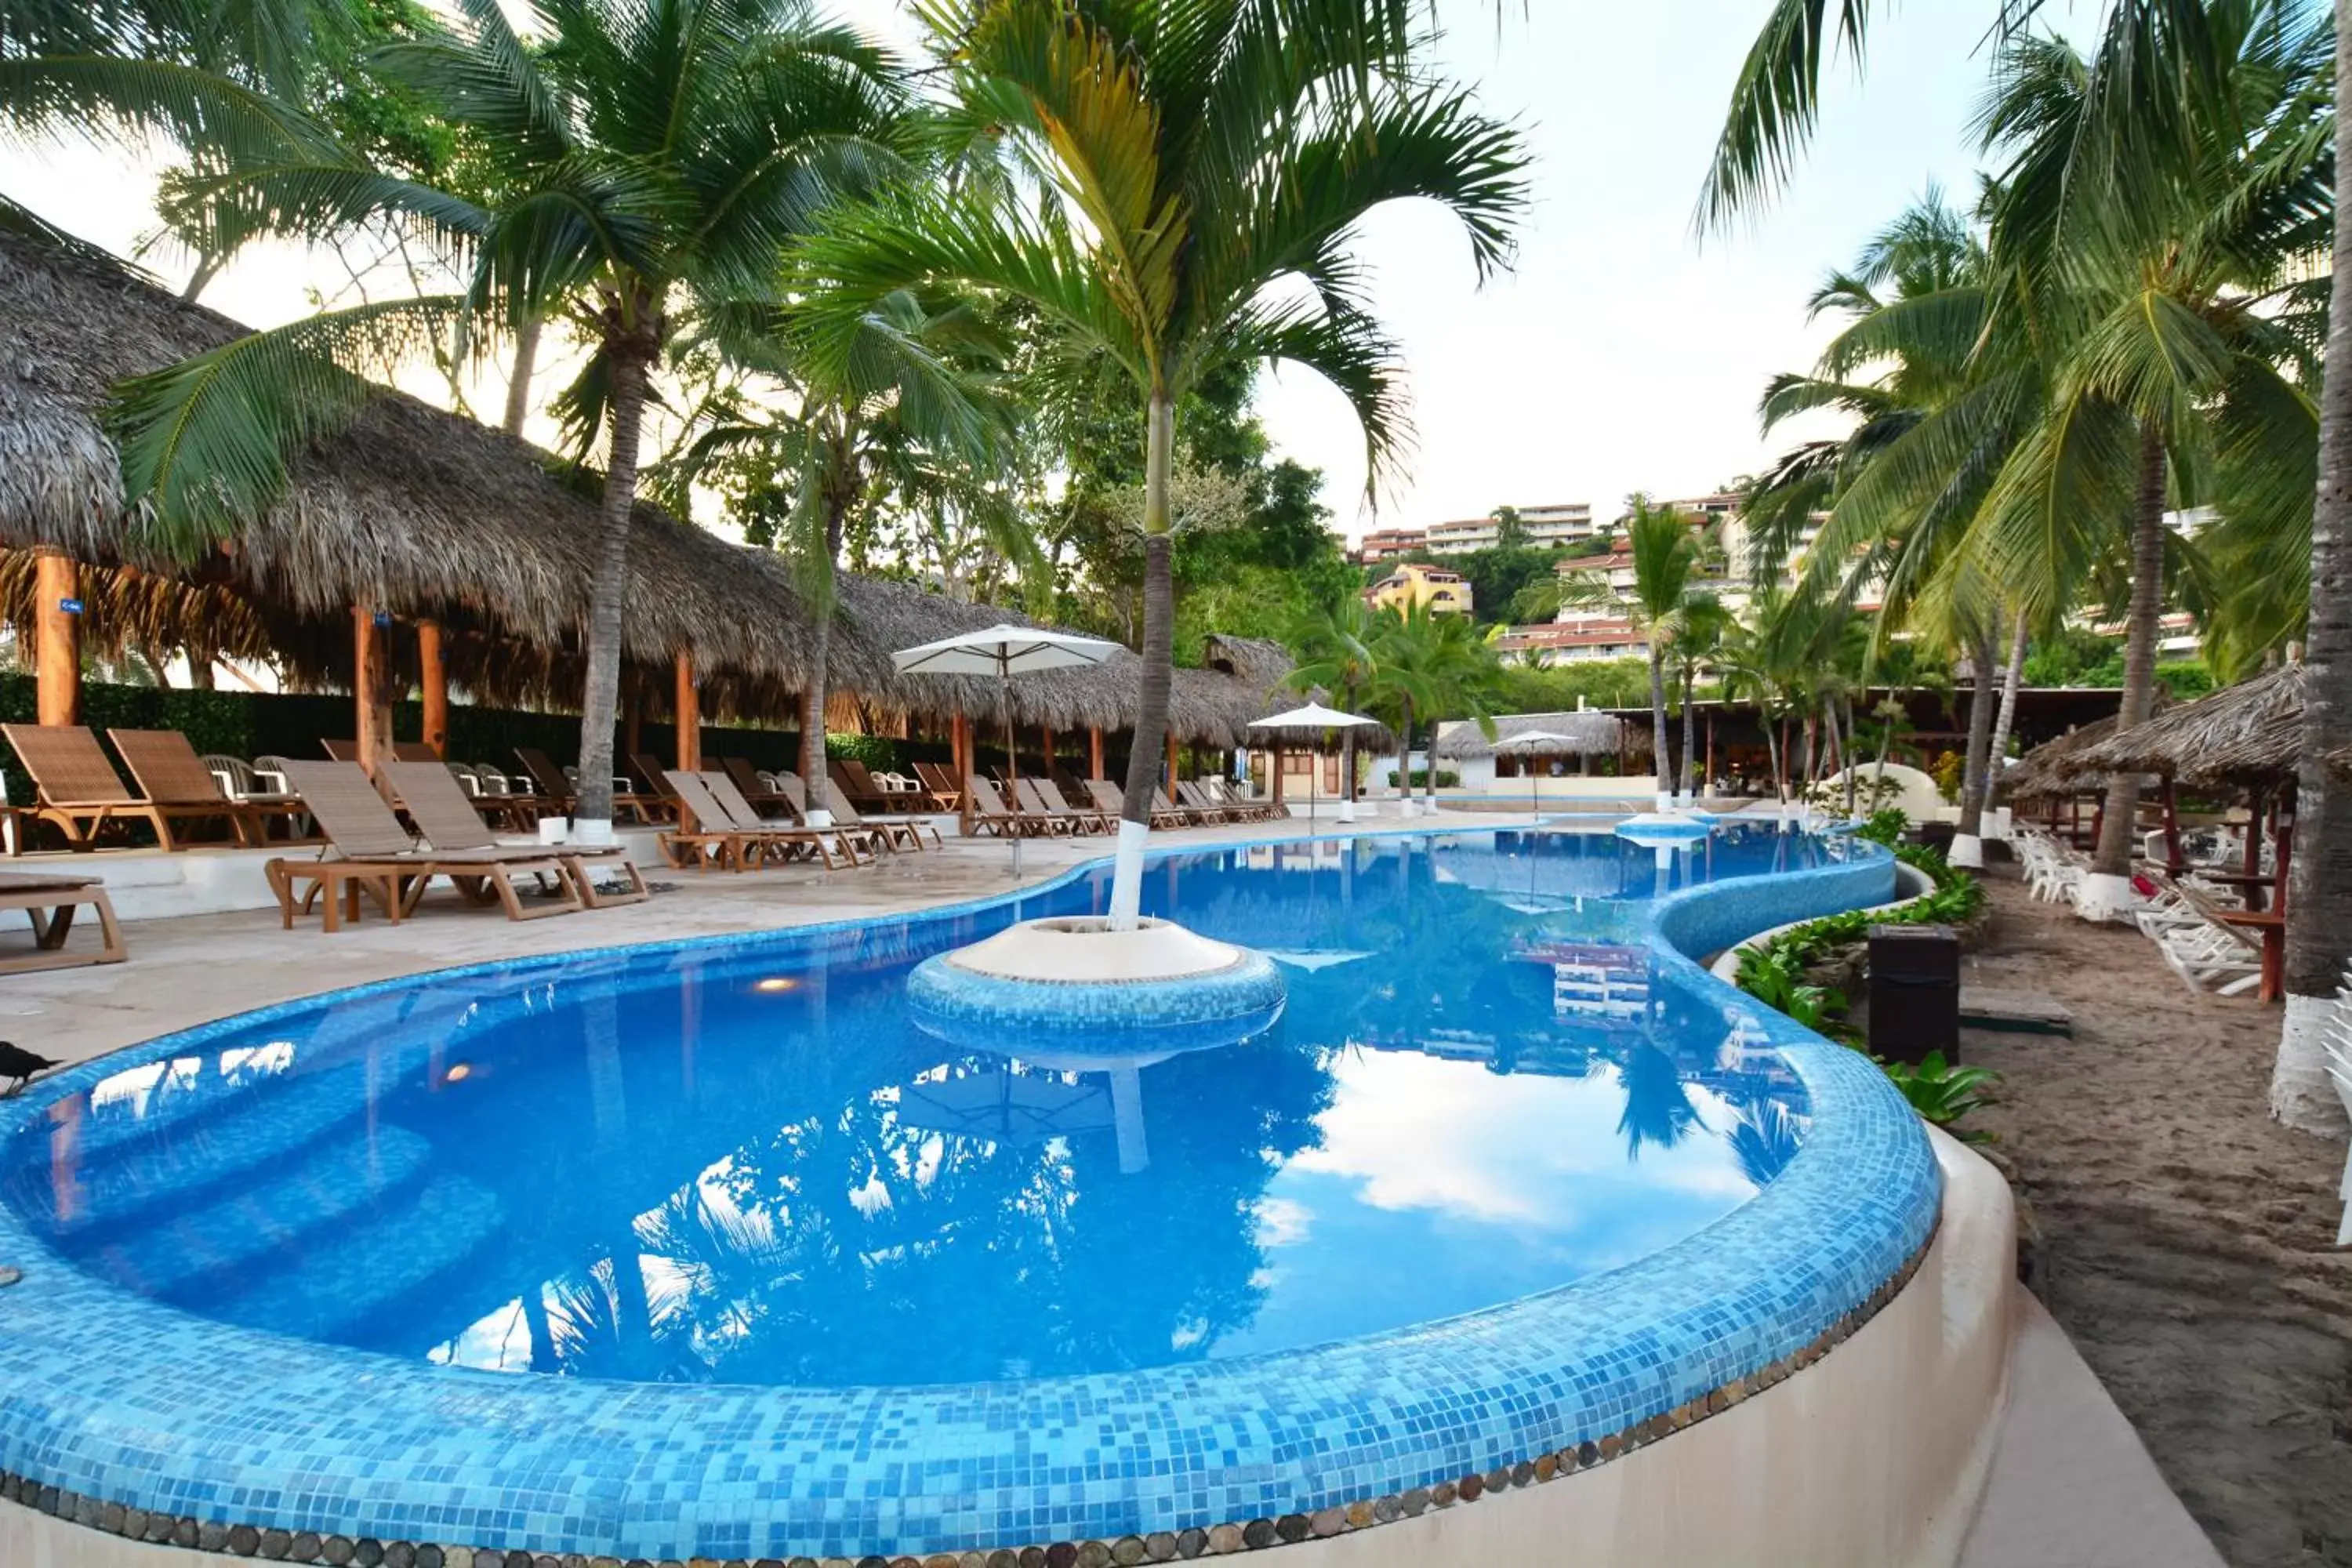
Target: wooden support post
[(2173, 862), (56, 646), (633, 725), (2250, 864), (1277, 774), (1094, 752), (687, 707), (434, 675), (1045, 766), (1173, 775), (370, 690), (963, 768)]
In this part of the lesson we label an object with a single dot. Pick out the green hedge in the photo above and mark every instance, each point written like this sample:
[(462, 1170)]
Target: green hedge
[(249, 724)]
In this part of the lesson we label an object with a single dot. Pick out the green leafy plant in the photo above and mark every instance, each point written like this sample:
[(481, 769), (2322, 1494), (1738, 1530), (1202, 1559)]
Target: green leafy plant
[(1447, 778), (1774, 972), (1943, 1092), (1885, 825)]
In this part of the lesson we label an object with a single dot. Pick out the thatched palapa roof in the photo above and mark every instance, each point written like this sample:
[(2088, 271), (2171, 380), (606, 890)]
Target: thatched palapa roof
[(2056, 767), (426, 515), (1591, 733), (2245, 734)]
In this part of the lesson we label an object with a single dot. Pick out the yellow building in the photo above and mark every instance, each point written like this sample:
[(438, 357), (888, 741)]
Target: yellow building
[(1444, 593)]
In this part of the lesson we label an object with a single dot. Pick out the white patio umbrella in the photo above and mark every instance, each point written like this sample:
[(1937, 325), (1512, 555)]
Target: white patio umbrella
[(1003, 651), (1535, 743), (1314, 716)]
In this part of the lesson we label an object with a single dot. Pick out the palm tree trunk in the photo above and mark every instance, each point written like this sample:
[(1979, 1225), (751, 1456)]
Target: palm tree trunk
[(1690, 735), (2004, 723), (1404, 753), (2108, 895), (1159, 652), (600, 702), (1773, 747), (526, 359), (813, 690), (2319, 897), (1968, 844), (1662, 757), (1848, 758)]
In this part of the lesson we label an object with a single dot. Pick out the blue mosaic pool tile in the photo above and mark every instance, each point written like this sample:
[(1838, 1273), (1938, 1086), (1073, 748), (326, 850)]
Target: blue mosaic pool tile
[(210, 1422)]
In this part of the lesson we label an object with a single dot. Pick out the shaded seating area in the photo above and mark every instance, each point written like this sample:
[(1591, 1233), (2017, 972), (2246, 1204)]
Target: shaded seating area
[(445, 818)]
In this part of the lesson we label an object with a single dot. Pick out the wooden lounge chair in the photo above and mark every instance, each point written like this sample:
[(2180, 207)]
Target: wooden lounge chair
[(942, 785), (166, 767), (1190, 793), (708, 835), (1046, 798), (80, 792), (374, 854), (1193, 815), (559, 793), (850, 776), (1221, 790), (757, 791), (444, 814), (895, 832), (1112, 802), (50, 902), (847, 839), (988, 811)]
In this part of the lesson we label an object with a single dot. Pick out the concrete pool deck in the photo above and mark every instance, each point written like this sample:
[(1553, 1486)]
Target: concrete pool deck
[(2068, 1482)]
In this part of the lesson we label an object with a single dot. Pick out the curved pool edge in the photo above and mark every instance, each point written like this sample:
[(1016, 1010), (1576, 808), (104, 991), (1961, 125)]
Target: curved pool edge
[(1370, 1432)]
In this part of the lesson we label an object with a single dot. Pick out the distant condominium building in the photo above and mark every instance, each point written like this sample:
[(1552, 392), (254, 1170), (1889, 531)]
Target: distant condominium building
[(1587, 637), (1560, 522), (1388, 543), (1414, 582), (1462, 537)]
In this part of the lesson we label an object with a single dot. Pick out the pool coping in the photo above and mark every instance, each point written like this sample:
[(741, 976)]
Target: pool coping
[(1495, 1405)]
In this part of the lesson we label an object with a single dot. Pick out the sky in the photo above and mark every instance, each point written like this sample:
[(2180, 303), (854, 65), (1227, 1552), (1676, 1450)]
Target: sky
[(1622, 353)]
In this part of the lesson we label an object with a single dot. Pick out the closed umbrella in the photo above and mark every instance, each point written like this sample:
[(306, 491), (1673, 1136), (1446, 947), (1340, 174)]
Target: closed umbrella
[(1003, 651), (1314, 716)]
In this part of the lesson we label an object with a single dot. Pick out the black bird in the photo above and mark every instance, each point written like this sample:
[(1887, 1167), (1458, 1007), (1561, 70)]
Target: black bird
[(17, 1063)]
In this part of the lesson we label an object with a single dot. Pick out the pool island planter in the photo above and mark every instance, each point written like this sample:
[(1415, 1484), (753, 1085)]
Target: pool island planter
[(139, 1424)]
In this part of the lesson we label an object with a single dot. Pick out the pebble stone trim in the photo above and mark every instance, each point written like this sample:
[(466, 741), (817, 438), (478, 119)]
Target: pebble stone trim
[(1161, 1546)]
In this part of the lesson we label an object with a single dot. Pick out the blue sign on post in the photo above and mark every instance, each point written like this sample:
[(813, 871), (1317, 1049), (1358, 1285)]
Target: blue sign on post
[(70, 607), (382, 618)]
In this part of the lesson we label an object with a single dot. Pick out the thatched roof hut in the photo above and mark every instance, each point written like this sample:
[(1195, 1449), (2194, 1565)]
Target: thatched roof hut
[(2056, 767), (2245, 734), (1591, 734), (426, 515)]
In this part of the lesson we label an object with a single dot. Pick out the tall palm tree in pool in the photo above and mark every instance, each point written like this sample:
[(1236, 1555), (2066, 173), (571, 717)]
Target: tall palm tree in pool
[(1773, 109), (1201, 166), (1665, 558), (659, 155)]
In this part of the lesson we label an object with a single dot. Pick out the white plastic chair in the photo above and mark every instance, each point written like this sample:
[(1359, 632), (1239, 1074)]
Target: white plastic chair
[(2337, 1041)]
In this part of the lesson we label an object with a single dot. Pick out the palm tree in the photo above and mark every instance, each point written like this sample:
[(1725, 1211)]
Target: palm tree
[(1337, 649), (1189, 156), (661, 154), (1405, 683), (1705, 623), (1773, 109), (920, 390), (1664, 557), (2172, 315)]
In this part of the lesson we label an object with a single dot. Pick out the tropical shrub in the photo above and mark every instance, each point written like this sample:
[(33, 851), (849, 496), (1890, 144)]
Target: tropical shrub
[(1447, 778), (1776, 971), (1943, 1092), (1885, 825), (1946, 772)]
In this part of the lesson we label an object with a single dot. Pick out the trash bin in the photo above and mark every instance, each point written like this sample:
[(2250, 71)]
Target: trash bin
[(1915, 992)]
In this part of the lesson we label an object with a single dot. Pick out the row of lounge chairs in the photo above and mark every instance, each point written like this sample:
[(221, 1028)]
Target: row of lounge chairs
[(718, 824)]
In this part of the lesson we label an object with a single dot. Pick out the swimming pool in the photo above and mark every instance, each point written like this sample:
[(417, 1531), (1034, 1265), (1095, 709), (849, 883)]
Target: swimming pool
[(1507, 1179)]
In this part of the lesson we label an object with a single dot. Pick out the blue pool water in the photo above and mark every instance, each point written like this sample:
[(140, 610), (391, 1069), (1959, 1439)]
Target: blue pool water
[(745, 1163)]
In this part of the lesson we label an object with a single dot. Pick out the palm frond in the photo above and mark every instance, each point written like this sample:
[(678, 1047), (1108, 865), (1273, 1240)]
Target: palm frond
[(205, 443)]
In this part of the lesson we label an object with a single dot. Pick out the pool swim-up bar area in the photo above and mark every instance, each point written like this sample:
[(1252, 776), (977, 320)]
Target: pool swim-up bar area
[(1511, 1231)]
